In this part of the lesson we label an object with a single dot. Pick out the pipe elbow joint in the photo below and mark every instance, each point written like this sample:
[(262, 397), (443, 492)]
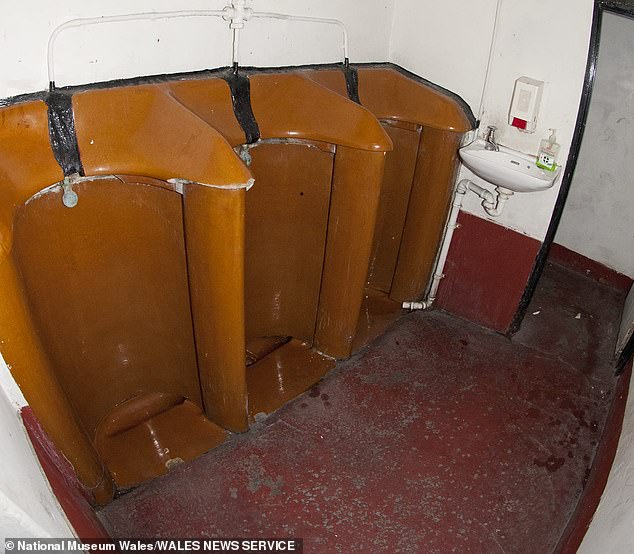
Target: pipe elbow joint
[(493, 211)]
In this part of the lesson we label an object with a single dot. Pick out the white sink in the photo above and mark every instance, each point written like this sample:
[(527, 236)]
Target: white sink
[(507, 168)]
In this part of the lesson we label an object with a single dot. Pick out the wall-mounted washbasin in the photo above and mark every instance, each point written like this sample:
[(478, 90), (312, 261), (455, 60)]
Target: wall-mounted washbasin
[(507, 168)]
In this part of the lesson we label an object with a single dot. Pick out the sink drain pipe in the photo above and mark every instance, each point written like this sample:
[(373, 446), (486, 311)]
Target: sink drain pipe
[(493, 204)]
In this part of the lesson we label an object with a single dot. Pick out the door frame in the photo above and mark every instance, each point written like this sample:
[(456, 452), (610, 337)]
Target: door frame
[(617, 7)]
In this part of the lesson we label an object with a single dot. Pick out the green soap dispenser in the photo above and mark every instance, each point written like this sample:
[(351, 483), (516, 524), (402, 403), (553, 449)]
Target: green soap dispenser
[(548, 152)]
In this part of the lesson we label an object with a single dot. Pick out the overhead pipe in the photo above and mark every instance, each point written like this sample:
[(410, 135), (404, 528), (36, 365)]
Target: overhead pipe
[(237, 13), (492, 203), (326, 21), (87, 21), (487, 73)]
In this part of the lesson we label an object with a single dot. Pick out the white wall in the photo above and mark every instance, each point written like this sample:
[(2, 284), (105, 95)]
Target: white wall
[(120, 50), (448, 42), (601, 174), (547, 41), (612, 528), (445, 42), (597, 221), (28, 507)]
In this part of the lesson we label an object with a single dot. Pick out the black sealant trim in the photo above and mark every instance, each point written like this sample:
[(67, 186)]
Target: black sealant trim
[(116, 83), (352, 82), (619, 7), (61, 131), (223, 71), (241, 100)]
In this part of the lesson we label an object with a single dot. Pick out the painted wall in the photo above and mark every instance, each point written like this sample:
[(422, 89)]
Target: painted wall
[(120, 50), (597, 220), (611, 528), (27, 505), (445, 42), (448, 42)]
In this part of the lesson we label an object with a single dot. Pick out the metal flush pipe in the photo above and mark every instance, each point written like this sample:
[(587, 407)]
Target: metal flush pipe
[(237, 13), (337, 22), (86, 21), (493, 204), (487, 73)]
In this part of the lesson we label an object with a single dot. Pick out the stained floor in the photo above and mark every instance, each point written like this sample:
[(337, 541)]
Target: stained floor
[(440, 437)]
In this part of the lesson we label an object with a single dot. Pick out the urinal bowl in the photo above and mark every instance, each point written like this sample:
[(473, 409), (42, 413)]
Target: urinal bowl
[(118, 322), (426, 125), (317, 164), (107, 285)]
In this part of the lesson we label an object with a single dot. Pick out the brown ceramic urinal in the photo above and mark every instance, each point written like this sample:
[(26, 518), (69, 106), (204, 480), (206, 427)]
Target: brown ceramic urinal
[(136, 294), (426, 126), (309, 224), (27, 165)]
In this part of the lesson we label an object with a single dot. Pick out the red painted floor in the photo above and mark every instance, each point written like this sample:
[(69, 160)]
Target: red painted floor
[(440, 437)]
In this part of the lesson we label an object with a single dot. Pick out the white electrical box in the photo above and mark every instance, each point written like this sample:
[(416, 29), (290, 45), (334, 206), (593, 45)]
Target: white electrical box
[(527, 97)]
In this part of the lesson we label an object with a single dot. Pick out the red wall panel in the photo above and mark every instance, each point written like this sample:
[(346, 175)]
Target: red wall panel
[(486, 272)]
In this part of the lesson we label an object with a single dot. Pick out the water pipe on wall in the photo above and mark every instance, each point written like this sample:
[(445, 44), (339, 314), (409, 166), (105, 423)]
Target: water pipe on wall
[(87, 21), (325, 21), (485, 85), (237, 13), (493, 204)]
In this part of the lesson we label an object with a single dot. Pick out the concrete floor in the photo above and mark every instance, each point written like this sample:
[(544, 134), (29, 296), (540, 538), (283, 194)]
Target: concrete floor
[(440, 437)]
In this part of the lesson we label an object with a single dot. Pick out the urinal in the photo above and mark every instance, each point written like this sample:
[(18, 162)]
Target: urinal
[(426, 125), (129, 305), (317, 159)]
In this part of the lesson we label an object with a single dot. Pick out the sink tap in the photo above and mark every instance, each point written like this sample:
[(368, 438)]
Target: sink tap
[(489, 139)]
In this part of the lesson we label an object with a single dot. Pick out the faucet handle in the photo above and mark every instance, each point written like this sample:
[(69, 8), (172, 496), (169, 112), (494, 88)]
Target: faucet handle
[(489, 139)]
